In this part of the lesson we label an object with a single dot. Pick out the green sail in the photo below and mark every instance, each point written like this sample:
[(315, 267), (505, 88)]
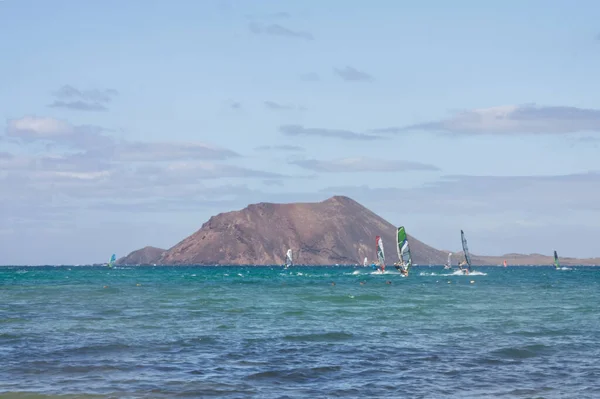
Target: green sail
[(403, 248), (556, 263)]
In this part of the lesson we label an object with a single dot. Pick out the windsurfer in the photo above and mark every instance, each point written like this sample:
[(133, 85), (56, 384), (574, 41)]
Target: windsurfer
[(401, 267)]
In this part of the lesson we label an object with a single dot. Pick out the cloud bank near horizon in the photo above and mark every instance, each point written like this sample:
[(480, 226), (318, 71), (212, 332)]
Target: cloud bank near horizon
[(513, 120)]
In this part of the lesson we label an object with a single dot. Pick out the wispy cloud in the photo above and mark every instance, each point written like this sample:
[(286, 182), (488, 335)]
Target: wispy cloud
[(78, 105), (298, 130), (278, 30), (280, 14), (516, 119), (83, 100), (274, 106), (362, 164), (279, 148), (352, 74), (169, 151), (235, 105)]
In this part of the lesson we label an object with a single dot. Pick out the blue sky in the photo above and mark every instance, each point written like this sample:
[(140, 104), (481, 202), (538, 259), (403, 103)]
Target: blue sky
[(128, 124)]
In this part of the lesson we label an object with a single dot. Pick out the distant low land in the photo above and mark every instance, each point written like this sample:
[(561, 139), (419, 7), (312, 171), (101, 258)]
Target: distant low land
[(338, 230)]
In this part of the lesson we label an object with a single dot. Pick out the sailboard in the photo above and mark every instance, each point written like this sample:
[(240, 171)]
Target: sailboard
[(365, 262), (466, 250), (380, 253), (288, 258), (403, 249), (112, 260), (556, 263), (504, 262), (449, 262)]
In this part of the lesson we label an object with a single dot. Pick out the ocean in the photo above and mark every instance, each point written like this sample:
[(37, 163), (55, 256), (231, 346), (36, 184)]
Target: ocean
[(305, 332)]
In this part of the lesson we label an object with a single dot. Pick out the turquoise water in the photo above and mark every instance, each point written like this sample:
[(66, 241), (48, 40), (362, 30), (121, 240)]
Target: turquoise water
[(261, 332)]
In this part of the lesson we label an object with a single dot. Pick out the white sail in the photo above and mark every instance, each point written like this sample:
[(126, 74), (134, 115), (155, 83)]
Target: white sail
[(449, 263), (288, 258), (365, 262), (380, 253)]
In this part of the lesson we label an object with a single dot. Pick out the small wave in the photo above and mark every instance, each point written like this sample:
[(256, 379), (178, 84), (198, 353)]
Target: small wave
[(330, 336), (34, 395), (296, 375), (518, 353), (294, 313)]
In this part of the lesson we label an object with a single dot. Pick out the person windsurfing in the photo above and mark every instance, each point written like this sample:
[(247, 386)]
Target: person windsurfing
[(401, 267), (460, 266)]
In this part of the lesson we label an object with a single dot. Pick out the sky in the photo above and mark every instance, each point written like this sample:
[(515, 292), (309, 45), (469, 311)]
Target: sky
[(126, 124)]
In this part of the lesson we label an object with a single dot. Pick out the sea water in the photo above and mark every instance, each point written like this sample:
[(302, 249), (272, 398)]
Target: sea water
[(304, 332)]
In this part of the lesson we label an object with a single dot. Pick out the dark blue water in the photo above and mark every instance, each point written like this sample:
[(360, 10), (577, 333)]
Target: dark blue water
[(261, 332)]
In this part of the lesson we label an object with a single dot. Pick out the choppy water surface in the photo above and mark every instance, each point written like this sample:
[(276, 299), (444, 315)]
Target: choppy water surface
[(261, 332)]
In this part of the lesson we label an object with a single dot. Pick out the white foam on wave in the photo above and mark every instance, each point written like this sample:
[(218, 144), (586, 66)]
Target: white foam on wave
[(455, 273)]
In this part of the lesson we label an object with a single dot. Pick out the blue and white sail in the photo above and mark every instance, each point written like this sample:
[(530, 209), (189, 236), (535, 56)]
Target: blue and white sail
[(112, 260)]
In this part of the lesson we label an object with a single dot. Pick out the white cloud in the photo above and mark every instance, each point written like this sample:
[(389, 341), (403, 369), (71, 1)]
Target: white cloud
[(41, 128), (33, 128)]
